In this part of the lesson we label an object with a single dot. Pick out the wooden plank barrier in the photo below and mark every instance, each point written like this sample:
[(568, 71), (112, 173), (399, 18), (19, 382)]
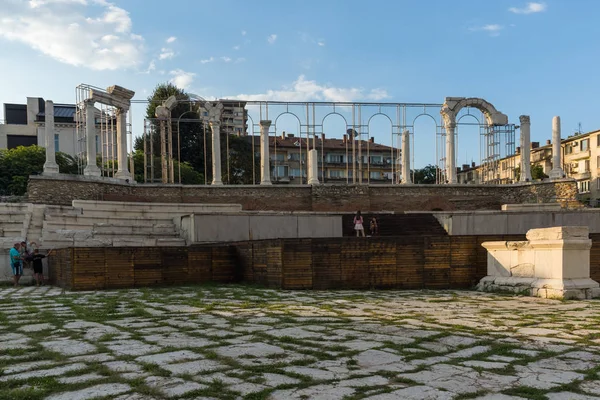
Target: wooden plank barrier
[(403, 262)]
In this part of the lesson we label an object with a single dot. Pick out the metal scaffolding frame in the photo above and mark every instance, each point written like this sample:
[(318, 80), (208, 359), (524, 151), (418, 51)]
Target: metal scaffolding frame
[(495, 141)]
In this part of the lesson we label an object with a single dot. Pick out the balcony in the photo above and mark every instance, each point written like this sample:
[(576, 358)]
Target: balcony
[(578, 156)]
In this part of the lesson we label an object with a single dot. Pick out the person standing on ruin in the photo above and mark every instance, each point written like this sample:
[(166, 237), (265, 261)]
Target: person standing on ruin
[(358, 224), (16, 263), (374, 227)]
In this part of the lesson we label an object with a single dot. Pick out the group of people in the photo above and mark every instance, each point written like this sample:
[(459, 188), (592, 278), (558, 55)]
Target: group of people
[(21, 256), (359, 225)]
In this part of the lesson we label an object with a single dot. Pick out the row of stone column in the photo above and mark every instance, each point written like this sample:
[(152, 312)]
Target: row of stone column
[(525, 164)]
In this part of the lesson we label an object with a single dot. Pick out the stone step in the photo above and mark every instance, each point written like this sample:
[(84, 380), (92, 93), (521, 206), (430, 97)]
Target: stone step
[(134, 214), (15, 207), (119, 229), (91, 220), (175, 208), (7, 216), (114, 242), (62, 210)]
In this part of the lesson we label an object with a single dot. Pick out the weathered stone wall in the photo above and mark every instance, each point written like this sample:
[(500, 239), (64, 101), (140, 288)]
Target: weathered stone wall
[(64, 189)]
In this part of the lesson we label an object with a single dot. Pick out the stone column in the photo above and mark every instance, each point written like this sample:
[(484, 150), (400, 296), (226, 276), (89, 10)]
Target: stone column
[(265, 166), (450, 153), (50, 166), (557, 171), (406, 178), (91, 169), (215, 127), (123, 170), (525, 148), (313, 167)]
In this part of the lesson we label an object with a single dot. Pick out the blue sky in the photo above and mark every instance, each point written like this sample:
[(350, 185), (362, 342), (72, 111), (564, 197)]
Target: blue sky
[(539, 59)]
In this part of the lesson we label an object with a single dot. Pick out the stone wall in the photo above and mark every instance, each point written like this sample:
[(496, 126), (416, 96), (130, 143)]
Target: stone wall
[(63, 189)]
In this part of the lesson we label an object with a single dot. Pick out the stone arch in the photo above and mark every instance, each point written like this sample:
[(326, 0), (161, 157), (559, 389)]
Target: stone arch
[(449, 111), (453, 105)]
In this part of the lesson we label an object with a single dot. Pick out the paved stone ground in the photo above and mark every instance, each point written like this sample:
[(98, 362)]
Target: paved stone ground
[(237, 342)]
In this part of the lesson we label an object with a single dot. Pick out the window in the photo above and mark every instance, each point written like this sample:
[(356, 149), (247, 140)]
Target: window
[(587, 166), (56, 142), (97, 144), (375, 175), (598, 141), (336, 174), (278, 157), (295, 172), (376, 160), (584, 144), (335, 158), (296, 156), (281, 171), (583, 186), (568, 149)]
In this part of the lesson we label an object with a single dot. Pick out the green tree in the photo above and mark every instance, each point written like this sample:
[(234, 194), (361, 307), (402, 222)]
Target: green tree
[(17, 164), (537, 172), (426, 175), (189, 176)]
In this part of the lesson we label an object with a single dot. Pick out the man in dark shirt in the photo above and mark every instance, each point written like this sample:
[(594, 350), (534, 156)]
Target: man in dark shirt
[(38, 267)]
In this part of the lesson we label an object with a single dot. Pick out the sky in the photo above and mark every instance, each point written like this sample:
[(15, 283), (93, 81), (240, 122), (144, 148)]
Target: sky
[(534, 58)]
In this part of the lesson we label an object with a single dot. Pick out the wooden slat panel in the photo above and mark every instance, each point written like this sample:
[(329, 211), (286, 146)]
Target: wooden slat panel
[(297, 264), (383, 264), (354, 262), (223, 264), (119, 266), (274, 264), (200, 264), (409, 262), (326, 264)]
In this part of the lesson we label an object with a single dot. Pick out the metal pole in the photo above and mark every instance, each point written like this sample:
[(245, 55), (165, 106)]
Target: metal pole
[(253, 157), (227, 145), (205, 165), (353, 146), (145, 154)]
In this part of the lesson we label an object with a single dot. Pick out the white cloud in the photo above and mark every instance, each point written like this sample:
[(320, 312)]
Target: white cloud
[(244, 33), (93, 33), (181, 78), (307, 90), (492, 29), (171, 39), (530, 8), (236, 47), (226, 59), (240, 60), (207, 60), (166, 54), (321, 42), (151, 67), (272, 38)]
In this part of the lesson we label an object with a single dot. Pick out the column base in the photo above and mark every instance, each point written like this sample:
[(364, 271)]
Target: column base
[(123, 175), (316, 182), (217, 183), (51, 168), (92, 170), (556, 173)]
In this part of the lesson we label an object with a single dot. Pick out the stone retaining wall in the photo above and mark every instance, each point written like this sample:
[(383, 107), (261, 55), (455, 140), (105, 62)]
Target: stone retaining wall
[(63, 189)]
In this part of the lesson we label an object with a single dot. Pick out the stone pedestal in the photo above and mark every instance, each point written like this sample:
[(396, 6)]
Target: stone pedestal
[(552, 263), (265, 162), (50, 166), (557, 171), (215, 126), (91, 169), (313, 167)]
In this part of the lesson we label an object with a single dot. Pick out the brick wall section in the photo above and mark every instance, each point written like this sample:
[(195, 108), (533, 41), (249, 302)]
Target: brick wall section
[(62, 190)]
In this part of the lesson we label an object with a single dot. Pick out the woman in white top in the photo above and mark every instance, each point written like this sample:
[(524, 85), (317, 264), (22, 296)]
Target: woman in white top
[(358, 224)]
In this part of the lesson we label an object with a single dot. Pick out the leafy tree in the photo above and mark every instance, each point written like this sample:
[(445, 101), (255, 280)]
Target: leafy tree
[(537, 172), (189, 176), (426, 175), (17, 164)]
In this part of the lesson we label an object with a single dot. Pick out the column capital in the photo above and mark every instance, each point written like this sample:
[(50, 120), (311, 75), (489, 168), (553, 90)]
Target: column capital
[(524, 119), (265, 123)]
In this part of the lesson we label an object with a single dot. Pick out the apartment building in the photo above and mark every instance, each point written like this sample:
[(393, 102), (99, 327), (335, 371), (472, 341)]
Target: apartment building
[(234, 119), (288, 160), (580, 161), (23, 125)]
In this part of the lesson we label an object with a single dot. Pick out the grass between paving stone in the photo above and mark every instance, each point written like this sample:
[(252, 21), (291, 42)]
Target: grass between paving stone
[(526, 392)]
